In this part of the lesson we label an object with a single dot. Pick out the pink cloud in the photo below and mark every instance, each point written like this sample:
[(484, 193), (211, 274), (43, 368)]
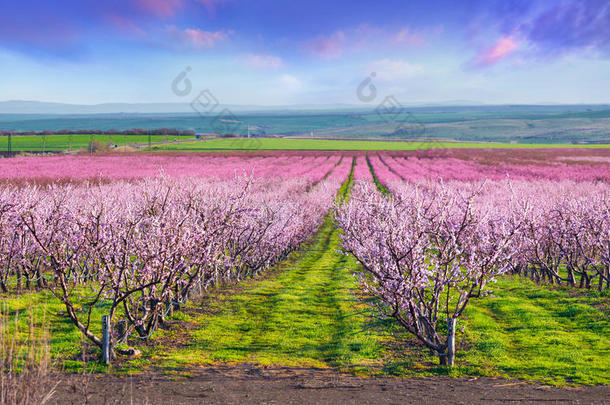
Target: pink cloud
[(197, 39), (363, 37), (125, 24), (263, 61), (408, 37), (329, 47), (499, 51), (160, 8)]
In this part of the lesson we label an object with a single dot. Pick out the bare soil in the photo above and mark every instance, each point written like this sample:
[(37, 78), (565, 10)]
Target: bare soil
[(255, 385)]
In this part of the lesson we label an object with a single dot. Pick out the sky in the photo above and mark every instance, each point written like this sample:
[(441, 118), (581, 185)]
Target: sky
[(286, 52)]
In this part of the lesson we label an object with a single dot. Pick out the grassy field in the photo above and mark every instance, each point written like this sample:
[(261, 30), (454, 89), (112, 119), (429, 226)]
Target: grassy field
[(36, 143), (307, 313), (327, 144)]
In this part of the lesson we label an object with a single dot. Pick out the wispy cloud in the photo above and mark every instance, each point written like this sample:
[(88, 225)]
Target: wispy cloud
[(327, 47), (544, 30), (125, 24), (571, 25), (391, 71), (210, 5), (491, 55), (263, 61), (290, 82), (407, 36), (160, 8), (363, 37), (194, 38)]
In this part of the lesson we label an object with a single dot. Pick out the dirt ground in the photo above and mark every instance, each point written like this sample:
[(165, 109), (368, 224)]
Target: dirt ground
[(255, 385)]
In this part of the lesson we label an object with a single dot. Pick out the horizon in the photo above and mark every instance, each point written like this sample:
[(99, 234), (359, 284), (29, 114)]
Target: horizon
[(36, 108), (272, 54)]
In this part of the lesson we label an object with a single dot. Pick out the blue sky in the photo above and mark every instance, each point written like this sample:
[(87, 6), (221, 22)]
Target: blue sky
[(306, 52)]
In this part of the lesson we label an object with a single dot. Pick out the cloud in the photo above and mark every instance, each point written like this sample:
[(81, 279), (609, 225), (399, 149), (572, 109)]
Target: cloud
[(390, 71), (160, 8), (290, 82), (263, 61), (576, 24), (365, 37), (545, 29), (193, 38), (407, 37), (327, 47), (499, 51), (125, 24), (210, 5)]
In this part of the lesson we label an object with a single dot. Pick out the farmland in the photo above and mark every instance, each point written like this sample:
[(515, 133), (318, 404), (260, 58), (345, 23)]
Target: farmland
[(63, 143), (501, 124), (339, 145), (51, 143), (291, 259)]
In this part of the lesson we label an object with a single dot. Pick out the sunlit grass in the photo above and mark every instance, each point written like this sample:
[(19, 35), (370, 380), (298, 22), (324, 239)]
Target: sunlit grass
[(330, 144), (38, 143), (552, 334)]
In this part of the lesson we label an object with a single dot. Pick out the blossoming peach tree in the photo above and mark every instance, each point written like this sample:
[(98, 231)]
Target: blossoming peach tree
[(426, 252)]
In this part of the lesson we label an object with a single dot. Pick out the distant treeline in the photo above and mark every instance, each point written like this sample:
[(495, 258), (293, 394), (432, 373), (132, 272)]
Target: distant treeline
[(134, 131)]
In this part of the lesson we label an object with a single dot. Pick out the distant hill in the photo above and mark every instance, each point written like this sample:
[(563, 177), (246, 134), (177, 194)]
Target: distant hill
[(503, 123), (40, 107), (48, 108)]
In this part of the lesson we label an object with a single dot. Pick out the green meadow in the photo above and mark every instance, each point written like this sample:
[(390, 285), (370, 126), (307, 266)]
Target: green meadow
[(38, 143), (228, 144)]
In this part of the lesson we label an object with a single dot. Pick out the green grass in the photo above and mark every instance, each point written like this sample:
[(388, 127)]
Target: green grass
[(551, 334), (328, 144), (65, 340), (303, 316), (35, 143)]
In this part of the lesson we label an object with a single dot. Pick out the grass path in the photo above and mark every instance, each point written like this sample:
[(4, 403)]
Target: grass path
[(304, 315)]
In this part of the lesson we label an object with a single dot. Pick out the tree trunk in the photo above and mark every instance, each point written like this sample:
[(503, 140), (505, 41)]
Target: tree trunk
[(106, 340), (571, 279), (451, 323)]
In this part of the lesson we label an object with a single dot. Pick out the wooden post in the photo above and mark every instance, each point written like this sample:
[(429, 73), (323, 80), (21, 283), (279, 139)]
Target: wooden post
[(121, 328), (106, 339), (451, 322)]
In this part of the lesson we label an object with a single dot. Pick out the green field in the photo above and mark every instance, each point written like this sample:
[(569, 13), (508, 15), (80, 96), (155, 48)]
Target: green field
[(328, 144), (38, 143)]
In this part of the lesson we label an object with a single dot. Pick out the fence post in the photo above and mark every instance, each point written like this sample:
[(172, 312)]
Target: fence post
[(106, 339), (451, 341)]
